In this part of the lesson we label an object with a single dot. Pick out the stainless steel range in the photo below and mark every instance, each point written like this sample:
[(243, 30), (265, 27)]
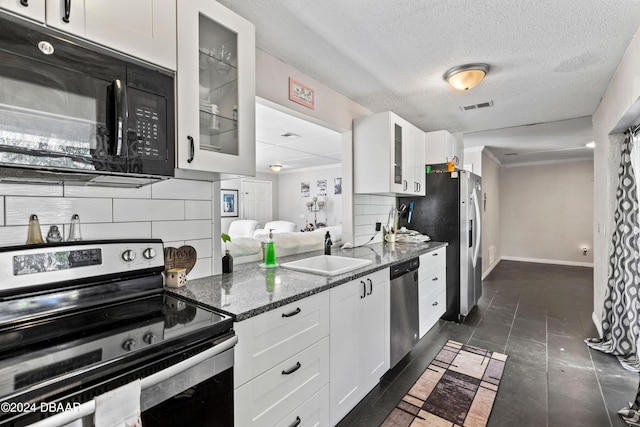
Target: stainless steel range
[(79, 319)]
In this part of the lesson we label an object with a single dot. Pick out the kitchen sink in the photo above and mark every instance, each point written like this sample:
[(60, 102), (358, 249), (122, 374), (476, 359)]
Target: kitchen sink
[(327, 265)]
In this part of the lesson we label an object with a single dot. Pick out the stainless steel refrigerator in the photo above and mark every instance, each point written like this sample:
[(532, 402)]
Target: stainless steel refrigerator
[(450, 212)]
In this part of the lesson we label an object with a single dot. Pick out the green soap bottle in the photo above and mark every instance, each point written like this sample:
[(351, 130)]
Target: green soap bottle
[(270, 251)]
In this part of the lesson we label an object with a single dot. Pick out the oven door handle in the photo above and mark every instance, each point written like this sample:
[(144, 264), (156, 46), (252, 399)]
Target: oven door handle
[(88, 408)]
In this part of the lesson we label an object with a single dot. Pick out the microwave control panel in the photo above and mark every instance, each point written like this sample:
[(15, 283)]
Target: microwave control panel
[(147, 129)]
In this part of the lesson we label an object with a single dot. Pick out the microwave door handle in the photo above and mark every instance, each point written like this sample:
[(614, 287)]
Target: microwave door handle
[(121, 116), (67, 11)]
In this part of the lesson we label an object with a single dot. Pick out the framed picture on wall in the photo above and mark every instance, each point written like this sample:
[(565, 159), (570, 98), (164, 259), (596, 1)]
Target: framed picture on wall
[(229, 203)]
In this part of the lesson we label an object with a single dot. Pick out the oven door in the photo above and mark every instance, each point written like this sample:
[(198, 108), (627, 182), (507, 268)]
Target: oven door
[(196, 391)]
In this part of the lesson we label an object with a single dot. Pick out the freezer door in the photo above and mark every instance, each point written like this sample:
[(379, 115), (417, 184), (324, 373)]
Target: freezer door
[(470, 238)]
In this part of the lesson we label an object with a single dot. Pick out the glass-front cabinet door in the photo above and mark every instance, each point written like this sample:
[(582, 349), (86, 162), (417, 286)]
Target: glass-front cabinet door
[(216, 89)]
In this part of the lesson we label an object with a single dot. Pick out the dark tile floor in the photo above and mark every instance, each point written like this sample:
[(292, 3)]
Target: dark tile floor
[(539, 315)]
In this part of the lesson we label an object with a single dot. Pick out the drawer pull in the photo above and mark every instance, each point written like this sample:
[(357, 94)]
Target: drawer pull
[(296, 422), (434, 279), (435, 303), (364, 289), (436, 254), (292, 370), (370, 286), (293, 313)]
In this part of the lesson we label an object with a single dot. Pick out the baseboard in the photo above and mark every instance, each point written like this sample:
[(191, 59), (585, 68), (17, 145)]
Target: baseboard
[(548, 261), (597, 322), (490, 269)]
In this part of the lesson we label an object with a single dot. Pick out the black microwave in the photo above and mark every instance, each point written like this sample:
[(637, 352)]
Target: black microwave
[(73, 112)]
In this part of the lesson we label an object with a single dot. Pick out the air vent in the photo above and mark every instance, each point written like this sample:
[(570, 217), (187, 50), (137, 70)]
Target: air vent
[(477, 106), (511, 154)]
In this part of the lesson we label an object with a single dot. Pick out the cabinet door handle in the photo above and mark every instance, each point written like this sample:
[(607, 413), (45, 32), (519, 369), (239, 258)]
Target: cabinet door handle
[(24, 3), (293, 313), (435, 303), (67, 11), (434, 279), (370, 286), (364, 289), (292, 370), (296, 422), (192, 149), (436, 254), (404, 185)]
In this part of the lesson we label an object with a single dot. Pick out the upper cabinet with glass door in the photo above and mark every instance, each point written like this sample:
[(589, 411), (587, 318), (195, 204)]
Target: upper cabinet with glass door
[(216, 90)]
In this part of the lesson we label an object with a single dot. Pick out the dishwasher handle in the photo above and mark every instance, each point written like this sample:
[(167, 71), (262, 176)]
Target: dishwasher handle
[(404, 268)]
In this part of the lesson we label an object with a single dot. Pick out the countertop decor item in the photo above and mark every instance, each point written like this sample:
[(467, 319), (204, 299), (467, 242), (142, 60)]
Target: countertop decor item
[(182, 257), (34, 234), (74, 230), (227, 259)]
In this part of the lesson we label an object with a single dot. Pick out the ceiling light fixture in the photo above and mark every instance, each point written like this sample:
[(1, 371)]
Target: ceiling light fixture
[(275, 168), (591, 144), (467, 76)]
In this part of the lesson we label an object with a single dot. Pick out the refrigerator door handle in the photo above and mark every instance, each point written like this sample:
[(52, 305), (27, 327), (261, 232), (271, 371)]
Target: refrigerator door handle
[(476, 205)]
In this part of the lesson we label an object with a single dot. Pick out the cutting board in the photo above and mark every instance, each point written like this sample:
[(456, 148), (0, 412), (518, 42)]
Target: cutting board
[(182, 257)]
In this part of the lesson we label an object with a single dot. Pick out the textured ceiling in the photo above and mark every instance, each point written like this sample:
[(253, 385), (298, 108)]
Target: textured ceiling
[(550, 60)]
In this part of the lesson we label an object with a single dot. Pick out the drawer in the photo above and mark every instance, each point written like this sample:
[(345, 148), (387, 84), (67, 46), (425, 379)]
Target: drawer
[(432, 259), (432, 307), (270, 397), (314, 412), (269, 338), (436, 281)]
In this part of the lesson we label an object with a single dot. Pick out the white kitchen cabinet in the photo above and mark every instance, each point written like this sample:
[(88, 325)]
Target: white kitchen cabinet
[(269, 398), (442, 147), (216, 87), (387, 155), (32, 9), (277, 341), (142, 29), (314, 412), (359, 327), (432, 288)]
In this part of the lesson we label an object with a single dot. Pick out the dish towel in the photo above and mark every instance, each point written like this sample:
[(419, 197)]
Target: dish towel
[(119, 407)]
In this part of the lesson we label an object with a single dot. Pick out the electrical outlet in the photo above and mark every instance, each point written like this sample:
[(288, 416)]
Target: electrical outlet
[(378, 226), (585, 250)]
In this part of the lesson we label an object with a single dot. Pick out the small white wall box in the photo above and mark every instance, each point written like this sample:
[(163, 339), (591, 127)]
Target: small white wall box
[(176, 277)]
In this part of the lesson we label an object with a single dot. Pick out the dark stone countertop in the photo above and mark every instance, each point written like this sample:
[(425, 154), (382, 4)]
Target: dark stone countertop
[(251, 290)]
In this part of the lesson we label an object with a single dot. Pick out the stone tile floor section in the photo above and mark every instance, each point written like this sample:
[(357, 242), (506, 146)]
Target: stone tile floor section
[(539, 315)]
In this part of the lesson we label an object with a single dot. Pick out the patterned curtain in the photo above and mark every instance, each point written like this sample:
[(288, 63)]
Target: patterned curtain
[(620, 319)]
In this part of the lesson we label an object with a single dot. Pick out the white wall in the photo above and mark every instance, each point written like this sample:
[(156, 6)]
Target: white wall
[(177, 211), (546, 212), (292, 206), (236, 184), (618, 108), (491, 225)]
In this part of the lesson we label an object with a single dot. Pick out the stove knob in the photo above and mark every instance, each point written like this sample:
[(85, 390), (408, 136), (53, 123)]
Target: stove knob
[(149, 253), (129, 344), (149, 338), (128, 255)]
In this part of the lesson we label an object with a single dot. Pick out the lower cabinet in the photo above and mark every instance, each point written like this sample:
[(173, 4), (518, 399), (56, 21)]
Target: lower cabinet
[(359, 352), (275, 396), (281, 362), (432, 288)]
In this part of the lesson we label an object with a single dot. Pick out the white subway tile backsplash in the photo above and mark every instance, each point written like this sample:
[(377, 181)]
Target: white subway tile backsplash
[(196, 209), (383, 200), (176, 230), (108, 192), (182, 189), (362, 220), (52, 210), (201, 269), (202, 247), (114, 230), (10, 236), (147, 210), (361, 199), (31, 190)]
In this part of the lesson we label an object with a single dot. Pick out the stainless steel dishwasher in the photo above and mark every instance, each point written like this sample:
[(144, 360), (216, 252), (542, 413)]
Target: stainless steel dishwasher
[(404, 309)]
